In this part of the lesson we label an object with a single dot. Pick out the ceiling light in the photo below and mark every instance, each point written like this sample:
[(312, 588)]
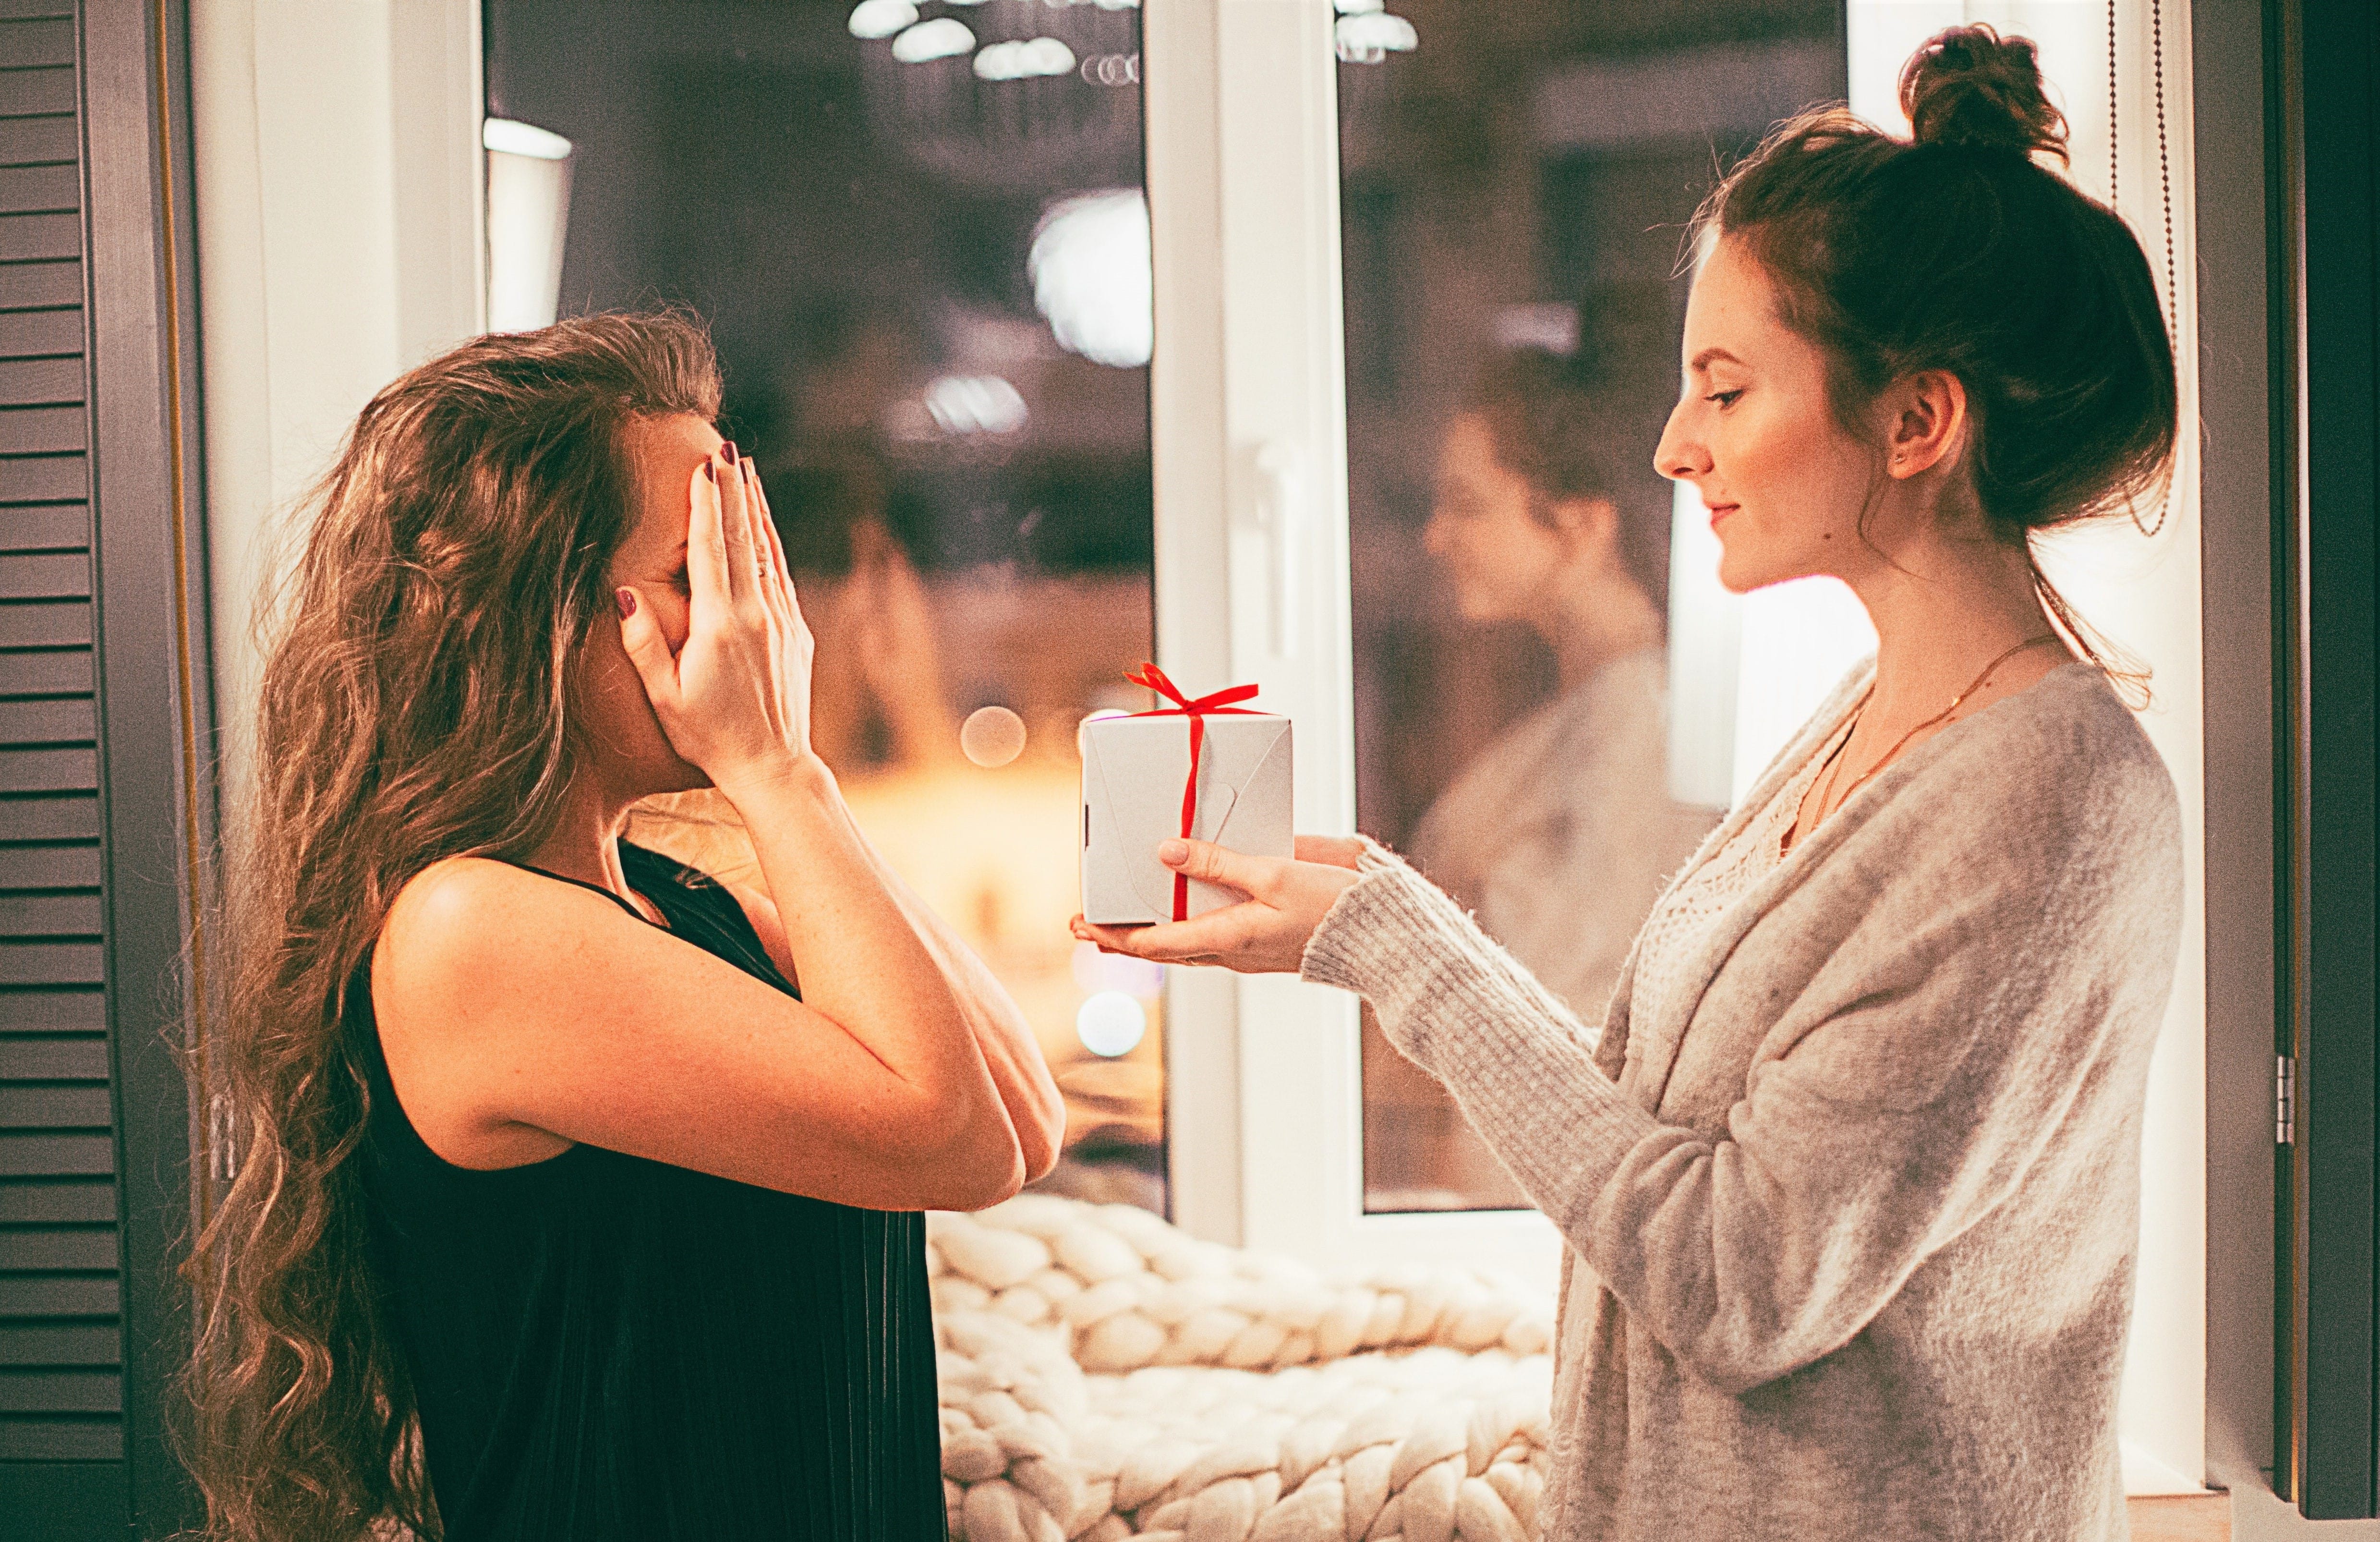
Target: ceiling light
[(1368, 37), (880, 18), (509, 138), (942, 38), (975, 404), (1023, 60)]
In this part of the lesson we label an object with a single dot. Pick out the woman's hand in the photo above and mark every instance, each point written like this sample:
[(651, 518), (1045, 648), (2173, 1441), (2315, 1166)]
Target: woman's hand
[(1267, 932), (735, 699)]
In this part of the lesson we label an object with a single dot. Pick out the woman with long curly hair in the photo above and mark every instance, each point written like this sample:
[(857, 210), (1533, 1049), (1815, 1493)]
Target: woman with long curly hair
[(577, 1193)]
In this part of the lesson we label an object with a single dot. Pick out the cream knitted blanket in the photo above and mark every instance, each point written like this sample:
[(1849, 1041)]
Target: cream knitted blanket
[(1104, 1376), (1861, 1201)]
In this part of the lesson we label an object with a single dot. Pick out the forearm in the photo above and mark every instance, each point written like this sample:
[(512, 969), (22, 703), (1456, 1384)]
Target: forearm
[(1013, 1054), (1512, 1055), (859, 953)]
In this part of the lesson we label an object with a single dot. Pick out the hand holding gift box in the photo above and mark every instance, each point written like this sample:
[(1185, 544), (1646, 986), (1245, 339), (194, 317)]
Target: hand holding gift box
[(1204, 768)]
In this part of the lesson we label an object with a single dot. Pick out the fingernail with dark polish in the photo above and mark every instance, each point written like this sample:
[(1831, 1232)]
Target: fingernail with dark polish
[(709, 473), (728, 452), (627, 601)]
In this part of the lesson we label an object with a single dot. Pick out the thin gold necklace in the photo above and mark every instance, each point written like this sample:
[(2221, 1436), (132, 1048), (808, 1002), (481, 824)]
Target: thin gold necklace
[(1829, 802)]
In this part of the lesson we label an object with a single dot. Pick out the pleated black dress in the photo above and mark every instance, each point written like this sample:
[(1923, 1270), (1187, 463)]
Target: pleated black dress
[(607, 1347)]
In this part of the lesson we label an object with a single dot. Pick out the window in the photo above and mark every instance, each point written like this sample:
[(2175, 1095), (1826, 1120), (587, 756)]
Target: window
[(1514, 201), (921, 245)]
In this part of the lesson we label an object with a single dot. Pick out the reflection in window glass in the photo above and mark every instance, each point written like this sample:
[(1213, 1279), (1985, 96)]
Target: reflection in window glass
[(918, 233), (1516, 185)]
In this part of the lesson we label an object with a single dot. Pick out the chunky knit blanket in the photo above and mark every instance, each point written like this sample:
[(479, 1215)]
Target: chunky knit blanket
[(1105, 1376)]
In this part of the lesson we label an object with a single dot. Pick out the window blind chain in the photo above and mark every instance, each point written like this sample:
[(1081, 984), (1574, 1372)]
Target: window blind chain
[(2165, 193)]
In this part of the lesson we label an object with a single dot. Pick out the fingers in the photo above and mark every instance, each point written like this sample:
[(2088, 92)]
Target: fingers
[(1215, 935), (777, 579), (706, 543), (640, 633), (736, 521), (1209, 863)]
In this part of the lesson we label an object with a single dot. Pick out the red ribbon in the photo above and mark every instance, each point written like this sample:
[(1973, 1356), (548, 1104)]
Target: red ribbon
[(1154, 679)]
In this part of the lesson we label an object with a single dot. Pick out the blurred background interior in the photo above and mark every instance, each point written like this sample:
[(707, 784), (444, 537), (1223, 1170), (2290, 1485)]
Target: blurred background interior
[(919, 236)]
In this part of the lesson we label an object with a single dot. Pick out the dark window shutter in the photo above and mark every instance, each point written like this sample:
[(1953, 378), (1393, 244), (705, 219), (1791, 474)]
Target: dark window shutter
[(61, 1332), (105, 803)]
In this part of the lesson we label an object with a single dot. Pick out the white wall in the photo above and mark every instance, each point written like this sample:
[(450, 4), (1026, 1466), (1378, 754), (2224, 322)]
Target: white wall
[(338, 165)]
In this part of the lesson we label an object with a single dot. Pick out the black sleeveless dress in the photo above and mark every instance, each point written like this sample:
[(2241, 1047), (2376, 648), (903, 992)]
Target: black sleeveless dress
[(607, 1347)]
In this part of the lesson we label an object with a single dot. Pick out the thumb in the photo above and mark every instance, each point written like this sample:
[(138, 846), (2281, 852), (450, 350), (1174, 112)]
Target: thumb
[(1209, 863), (647, 648)]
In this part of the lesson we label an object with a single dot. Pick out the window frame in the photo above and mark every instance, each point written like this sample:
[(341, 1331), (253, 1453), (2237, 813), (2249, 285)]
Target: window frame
[(1248, 424)]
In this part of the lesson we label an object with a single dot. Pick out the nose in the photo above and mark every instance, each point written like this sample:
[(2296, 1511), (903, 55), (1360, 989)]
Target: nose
[(1678, 456)]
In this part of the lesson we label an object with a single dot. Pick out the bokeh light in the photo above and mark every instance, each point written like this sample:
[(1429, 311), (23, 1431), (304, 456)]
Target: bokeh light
[(992, 736), (1111, 1024), (1091, 277)]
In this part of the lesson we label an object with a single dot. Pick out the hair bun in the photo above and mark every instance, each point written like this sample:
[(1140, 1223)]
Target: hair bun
[(1970, 86)]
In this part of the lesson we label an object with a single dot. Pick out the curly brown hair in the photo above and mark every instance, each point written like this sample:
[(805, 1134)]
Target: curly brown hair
[(413, 708)]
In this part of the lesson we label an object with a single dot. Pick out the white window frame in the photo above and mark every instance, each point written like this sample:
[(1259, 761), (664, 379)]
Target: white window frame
[(1249, 428)]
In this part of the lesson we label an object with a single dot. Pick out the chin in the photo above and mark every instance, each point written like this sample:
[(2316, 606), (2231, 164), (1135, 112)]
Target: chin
[(1741, 572)]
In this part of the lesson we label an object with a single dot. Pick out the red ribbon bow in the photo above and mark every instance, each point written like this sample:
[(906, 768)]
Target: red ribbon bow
[(1154, 679)]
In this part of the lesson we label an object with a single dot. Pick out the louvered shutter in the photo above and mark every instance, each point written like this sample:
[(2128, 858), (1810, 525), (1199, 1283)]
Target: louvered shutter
[(61, 1341), (102, 716)]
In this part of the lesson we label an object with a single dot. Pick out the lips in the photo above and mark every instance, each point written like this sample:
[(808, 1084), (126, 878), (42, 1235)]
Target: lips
[(1720, 511)]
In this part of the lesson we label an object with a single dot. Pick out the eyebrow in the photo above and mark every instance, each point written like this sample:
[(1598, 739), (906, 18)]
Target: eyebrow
[(1703, 359)]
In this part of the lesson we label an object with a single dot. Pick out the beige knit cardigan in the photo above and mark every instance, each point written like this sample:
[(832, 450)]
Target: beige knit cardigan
[(1864, 1205)]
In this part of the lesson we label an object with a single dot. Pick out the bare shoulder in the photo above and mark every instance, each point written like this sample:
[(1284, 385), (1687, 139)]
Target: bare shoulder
[(465, 942), (461, 925)]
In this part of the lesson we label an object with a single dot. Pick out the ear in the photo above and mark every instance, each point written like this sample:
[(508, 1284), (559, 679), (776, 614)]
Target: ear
[(1926, 422)]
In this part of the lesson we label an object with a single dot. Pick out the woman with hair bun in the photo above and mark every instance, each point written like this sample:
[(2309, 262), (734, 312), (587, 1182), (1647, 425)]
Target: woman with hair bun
[(1850, 1171)]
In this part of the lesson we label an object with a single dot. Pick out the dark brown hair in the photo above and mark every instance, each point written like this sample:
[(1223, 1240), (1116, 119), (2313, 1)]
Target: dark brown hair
[(1554, 427), (1957, 250), (413, 708)]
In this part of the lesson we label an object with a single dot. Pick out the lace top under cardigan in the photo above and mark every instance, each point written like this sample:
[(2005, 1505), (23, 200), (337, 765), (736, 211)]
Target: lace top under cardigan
[(1861, 1201)]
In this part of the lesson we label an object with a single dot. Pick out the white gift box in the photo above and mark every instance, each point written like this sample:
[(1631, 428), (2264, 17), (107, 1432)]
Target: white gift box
[(1133, 773)]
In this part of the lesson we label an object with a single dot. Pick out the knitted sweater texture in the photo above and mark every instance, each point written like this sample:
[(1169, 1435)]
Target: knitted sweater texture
[(1861, 1202)]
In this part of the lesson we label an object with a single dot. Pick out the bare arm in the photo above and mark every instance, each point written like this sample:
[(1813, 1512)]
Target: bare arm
[(520, 1017), (1036, 1111)]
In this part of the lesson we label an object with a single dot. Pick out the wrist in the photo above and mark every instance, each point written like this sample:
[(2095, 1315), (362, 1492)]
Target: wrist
[(800, 776)]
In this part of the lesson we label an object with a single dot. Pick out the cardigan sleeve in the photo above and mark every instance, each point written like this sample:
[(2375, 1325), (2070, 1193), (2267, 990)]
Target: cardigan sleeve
[(1933, 1064)]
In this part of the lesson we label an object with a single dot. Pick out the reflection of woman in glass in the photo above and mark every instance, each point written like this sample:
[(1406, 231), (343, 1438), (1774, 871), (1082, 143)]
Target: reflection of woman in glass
[(1852, 1164), (578, 1193), (1561, 832)]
